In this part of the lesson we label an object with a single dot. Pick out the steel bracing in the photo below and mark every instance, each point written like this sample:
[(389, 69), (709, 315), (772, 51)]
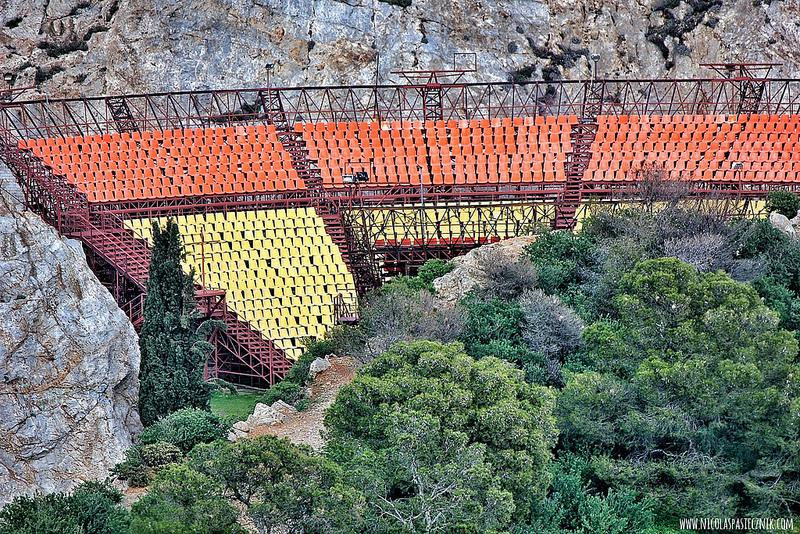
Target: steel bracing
[(380, 229), (241, 352)]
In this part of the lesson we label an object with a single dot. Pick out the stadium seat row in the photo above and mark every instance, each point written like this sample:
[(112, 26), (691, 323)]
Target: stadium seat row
[(250, 159), (280, 269)]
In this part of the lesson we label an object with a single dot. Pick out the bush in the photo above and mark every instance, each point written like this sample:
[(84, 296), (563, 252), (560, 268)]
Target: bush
[(285, 390), (183, 501), (550, 327), (490, 320), (284, 487), (142, 462), (431, 270), (506, 278), (159, 454), (185, 429), (407, 315), (427, 415), (298, 374), (783, 202), (560, 259), (92, 508), (573, 505)]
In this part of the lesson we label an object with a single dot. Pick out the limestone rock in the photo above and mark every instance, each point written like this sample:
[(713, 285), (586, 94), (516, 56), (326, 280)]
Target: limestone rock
[(264, 414), (782, 223), (89, 47), (468, 273), (69, 363), (317, 366), (283, 408)]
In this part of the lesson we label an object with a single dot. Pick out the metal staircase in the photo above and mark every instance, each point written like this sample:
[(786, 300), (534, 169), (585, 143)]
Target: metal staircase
[(66, 208), (582, 135), (360, 263), (121, 113)]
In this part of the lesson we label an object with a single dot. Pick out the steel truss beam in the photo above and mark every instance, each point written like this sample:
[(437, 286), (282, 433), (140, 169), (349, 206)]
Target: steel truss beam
[(442, 228), (200, 109)]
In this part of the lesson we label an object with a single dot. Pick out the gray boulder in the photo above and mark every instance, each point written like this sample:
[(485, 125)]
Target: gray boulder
[(317, 366), (69, 363)]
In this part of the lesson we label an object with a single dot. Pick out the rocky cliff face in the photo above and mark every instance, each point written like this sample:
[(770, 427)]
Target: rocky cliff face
[(89, 47), (69, 362)]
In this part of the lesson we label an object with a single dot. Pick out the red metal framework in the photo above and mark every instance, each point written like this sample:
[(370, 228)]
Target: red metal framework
[(241, 352), (582, 136), (461, 101), (358, 261), (351, 214)]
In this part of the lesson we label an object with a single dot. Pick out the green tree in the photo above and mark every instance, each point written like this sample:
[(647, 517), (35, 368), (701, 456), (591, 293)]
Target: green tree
[(573, 505), (285, 488), (92, 508), (689, 394), (424, 411), (173, 339), (184, 501)]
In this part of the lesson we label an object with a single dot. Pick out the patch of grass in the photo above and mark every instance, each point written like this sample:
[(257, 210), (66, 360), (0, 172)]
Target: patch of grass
[(234, 407)]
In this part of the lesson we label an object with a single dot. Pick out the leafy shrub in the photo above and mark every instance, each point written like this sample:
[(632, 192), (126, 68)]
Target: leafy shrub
[(142, 462), (490, 320), (92, 508), (185, 429), (183, 501), (572, 505), (550, 327), (426, 411), (159, 454), (406, 315), (286, 488), (784, 202), (285, 390), (560, 259), (132, 469), (298, 374), (431, 270), (506, 278)]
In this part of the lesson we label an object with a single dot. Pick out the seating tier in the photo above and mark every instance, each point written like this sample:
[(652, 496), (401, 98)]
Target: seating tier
[(697, 147), (280, 269), (476, 152), (171, 163)]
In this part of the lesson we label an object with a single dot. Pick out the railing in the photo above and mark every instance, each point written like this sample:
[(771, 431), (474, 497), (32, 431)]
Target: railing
[(198, 109), (50, 195), (345, 309)]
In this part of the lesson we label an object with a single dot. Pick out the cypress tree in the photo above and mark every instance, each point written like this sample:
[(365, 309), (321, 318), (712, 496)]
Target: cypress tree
[(173, 338)]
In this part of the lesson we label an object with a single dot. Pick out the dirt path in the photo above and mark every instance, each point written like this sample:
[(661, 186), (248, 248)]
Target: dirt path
[(306, 427)]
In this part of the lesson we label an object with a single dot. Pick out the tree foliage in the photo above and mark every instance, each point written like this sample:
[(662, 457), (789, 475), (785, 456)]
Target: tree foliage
[(184, 501), (92, 508), (173, 338), (424, 401), (691, 392), (285, 488)]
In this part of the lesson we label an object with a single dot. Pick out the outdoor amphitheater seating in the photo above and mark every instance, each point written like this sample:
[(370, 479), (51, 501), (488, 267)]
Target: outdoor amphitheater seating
[(413, 153), (280, 269), (697, 147), (171, 163)]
